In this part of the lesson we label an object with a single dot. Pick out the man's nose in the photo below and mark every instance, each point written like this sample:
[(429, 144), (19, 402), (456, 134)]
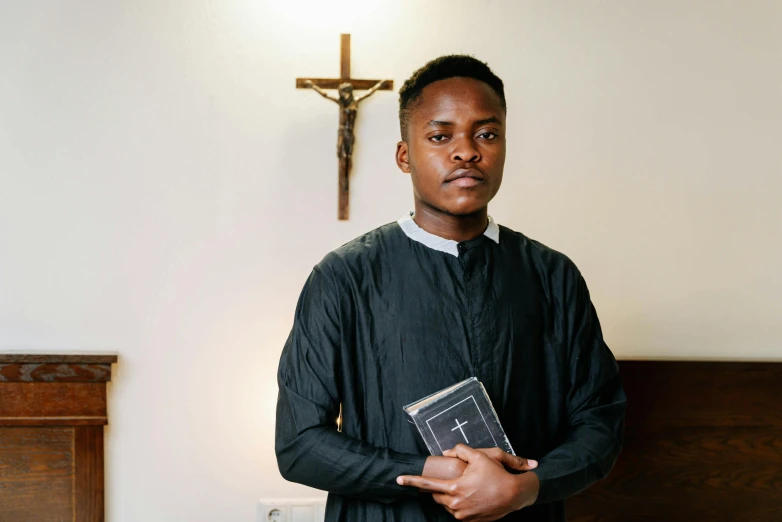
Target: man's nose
[(465, 151)]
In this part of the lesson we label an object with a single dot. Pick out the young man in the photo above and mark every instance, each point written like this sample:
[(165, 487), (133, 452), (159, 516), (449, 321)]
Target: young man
[(442, 295)]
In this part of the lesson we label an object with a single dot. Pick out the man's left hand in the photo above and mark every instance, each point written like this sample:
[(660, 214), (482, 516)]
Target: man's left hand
[(485, 491)]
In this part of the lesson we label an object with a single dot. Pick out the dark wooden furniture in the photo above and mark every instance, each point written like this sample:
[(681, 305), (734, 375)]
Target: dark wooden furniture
[(703, 441), (52, 413)]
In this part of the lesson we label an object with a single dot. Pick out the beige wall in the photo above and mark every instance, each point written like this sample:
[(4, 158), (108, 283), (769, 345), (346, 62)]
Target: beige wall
[(165, 191)]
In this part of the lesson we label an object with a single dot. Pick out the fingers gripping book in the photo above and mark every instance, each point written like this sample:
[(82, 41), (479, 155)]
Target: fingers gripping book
[(461, 413)]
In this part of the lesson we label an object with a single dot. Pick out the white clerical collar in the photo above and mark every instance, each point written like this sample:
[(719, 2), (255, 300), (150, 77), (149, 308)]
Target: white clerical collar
[(449, 246)]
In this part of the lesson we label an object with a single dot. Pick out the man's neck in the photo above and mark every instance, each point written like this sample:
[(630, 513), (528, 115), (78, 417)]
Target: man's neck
[(456, 228)]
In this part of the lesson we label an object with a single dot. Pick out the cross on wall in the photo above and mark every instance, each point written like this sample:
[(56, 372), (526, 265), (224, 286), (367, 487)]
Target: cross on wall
[(348, 109)]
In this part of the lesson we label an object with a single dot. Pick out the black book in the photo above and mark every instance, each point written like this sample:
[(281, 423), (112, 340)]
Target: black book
[(461, 413)]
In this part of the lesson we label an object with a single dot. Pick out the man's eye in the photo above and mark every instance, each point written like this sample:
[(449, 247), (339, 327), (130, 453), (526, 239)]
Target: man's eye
[(438, 138), (488, 135)]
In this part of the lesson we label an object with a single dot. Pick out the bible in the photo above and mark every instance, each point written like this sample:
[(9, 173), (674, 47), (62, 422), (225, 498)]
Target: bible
[(461, 413)]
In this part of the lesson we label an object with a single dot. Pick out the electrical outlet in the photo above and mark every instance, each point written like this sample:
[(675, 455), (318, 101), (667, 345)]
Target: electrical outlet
[(291, 510), (275, 515), (271, 511)]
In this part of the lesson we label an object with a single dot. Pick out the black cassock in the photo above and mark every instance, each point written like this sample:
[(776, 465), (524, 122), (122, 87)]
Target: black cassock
[(398, 314)]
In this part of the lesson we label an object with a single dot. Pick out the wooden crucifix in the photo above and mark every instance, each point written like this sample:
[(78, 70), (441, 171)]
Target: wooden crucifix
[(348, 103)]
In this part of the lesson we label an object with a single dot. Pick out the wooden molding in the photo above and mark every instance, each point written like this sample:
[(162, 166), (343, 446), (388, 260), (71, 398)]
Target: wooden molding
[(48, 372), (57, 358)]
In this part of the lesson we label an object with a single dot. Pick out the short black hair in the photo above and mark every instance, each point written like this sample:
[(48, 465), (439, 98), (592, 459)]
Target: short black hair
[(442, 68)]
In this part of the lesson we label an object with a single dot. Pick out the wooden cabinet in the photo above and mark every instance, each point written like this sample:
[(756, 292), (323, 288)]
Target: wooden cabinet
[(703, 441), (52, 413)]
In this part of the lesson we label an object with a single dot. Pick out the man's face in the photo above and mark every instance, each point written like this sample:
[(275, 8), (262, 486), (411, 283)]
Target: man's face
[(455, 148)]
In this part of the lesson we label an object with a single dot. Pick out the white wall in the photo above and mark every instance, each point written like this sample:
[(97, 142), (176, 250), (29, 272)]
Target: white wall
[(165, 191)]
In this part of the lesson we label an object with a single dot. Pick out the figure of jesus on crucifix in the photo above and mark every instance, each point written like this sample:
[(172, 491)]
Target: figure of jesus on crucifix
[(348, 107), (348, 104)]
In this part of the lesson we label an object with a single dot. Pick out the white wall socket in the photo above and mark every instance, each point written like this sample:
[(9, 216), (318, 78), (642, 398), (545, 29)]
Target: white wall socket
[(291, 510)]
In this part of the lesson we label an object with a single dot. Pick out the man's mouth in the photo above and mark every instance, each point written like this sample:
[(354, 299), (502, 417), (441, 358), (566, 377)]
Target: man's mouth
[(465, 178)]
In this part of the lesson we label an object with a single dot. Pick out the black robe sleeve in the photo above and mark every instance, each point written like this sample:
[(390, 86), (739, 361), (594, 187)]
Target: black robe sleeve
[(309, 448), (595, 402)]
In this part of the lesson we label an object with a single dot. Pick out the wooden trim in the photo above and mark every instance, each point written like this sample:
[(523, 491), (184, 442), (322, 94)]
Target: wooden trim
[(54, 372), (333, 83), (53, 421), (57, 358), (88, 490)]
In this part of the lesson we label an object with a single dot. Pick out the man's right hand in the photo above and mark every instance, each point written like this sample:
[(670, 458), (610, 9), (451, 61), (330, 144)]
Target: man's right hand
[(509, 461)]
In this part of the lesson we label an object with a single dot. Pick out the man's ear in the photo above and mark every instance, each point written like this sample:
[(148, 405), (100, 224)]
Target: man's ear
[(402, 159)]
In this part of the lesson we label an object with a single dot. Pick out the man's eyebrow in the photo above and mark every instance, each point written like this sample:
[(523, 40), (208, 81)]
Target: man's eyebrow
[(485, 121), (438, 123)]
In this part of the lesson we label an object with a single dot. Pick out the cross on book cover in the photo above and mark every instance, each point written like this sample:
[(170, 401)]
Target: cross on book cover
[(462, 413)]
